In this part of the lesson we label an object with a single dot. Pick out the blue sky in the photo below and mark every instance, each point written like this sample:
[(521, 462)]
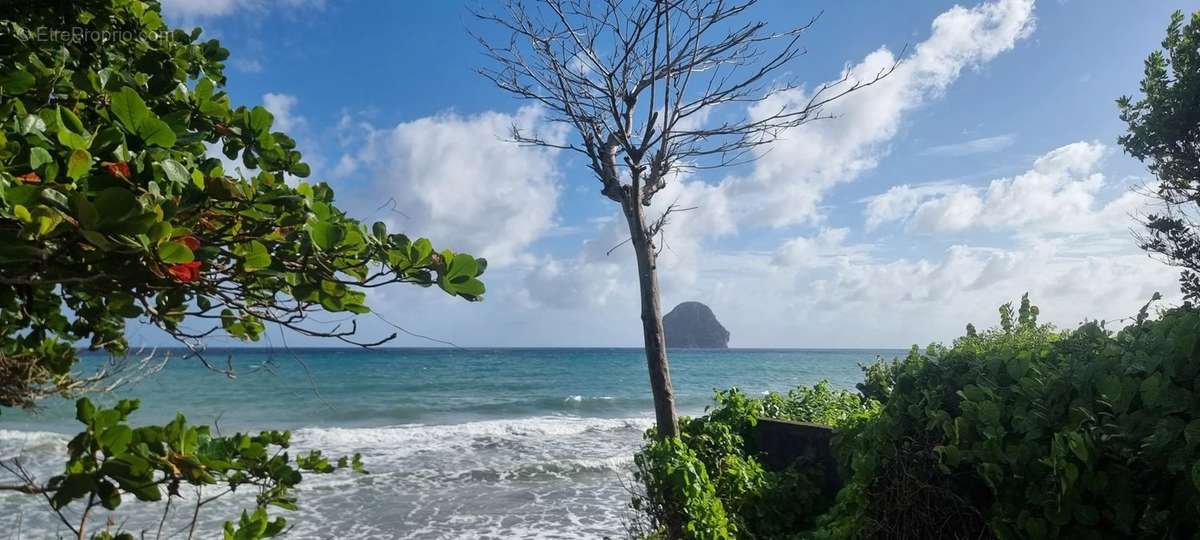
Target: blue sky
[(987, 166)]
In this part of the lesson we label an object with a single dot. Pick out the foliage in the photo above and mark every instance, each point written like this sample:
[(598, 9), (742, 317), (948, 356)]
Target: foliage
[(110, 462), (112, 209), (880, 376), (679, 491), (754, 501), (1162, 132), (820, 404), (1020, 431), (1028, 432)]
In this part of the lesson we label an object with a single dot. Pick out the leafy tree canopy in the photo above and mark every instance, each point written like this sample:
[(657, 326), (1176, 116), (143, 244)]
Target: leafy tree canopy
[(112, 208), (1164, 132)]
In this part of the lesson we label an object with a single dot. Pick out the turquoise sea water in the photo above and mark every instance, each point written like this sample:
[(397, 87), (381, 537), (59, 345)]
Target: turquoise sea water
[(479, 443)]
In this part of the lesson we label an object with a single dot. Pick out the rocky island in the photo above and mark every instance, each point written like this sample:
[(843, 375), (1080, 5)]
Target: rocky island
[(692, 325)]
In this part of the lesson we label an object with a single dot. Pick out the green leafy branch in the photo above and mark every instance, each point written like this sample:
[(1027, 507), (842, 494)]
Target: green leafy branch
[(112, 208), (110, 463)]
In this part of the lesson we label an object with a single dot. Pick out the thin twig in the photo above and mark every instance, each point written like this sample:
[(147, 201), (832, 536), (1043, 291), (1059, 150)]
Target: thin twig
[(619, 244), (163, 521), (196, 512), (414, 334), (17, 469)]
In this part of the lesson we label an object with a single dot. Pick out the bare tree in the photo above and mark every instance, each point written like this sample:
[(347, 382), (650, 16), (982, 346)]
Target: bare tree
[(635, 79)]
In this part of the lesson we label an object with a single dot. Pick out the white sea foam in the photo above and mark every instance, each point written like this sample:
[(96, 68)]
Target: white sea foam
[(541, 477), (14, 443), (577, 398), (421, 436), (551, 476)]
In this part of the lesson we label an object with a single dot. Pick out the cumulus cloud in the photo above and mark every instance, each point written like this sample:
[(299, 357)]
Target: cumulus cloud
[(954, 211), (824, 250), (818, 290), (456, 179), (899, 202), (573, 284), (1061, 193), (791, 179)]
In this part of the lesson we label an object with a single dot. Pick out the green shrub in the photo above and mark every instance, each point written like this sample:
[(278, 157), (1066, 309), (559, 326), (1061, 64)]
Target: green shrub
[(717, 450), (879, 377), (1022, 431), (1029, 432), (670, 471)]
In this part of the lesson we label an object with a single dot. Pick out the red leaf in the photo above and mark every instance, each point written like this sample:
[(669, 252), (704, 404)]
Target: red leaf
[(191, 242), (119, 169), (185, 272)]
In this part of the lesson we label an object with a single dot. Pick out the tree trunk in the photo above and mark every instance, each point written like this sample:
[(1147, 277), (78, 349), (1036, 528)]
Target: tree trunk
[(652, 326)]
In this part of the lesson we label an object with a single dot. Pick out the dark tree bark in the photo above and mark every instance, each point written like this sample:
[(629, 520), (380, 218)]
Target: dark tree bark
[(652, 327)]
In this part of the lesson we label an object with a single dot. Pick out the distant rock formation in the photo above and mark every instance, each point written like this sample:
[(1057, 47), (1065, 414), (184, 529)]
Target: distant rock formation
[(692, 325)]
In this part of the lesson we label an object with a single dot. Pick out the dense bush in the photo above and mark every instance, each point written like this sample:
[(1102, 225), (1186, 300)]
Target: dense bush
[(714, 467), (1028, 432), (670, 471), (1022, 431)]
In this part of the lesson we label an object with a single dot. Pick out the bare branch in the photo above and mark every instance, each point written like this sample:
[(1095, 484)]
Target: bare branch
[(619, 244), (25, 381), (592, 65)]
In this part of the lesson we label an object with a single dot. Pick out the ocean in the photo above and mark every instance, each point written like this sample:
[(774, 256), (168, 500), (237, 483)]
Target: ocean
[(477, 443)]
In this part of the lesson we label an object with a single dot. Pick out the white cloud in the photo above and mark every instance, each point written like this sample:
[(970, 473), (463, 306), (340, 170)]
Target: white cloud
[(824, 250), (192, 8), (819, 291), (247, 65), (983, 145), (899, 202), (791, 179), (813, 291), (704, 212), (458, 181), (281, 106), (954, 211), (1061, 193)]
